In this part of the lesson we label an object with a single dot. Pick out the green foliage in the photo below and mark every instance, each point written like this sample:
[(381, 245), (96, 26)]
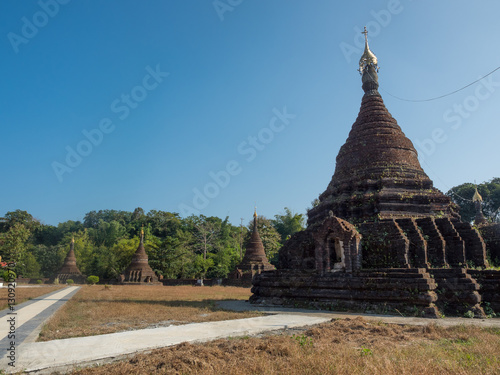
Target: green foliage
[(490, 313), (8, 276), (92, 280), (50, 258), (201, 266), (19, 217), (14, 243), (106, 234), (469, 314), (303, 340), (29, 266), (39, 281), (490, 191), (365, 351), (197, 246), (56, 281), (70, 281), (288, 223)]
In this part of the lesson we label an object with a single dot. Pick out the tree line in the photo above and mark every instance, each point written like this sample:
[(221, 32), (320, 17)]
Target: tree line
[(196, 246), (192, 247)]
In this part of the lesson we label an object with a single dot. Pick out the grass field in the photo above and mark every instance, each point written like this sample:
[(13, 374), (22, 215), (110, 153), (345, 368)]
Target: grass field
[(25, 294), (338, 347), (96, 310)]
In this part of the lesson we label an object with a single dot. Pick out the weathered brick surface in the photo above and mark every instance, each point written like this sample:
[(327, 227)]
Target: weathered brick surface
[(69, 269), (378, 175), (384, 245), (436, 245), (457, 291), (407, 290), (255, 260), (489, 283), (455, 246), (417, 252), (475, 248), (139, 270), (491, 236)]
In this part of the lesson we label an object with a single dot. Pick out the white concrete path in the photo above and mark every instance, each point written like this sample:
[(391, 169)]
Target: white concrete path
[(62, 353), (27, 313)]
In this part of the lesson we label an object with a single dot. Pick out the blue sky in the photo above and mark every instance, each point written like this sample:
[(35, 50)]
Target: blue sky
[(169, 92)]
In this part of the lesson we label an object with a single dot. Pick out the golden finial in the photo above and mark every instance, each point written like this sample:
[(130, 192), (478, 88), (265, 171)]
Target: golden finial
[(255, 212), (477, 197), (142, 230), (368, 57)]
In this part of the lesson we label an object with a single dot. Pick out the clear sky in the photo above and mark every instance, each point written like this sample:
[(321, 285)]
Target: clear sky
[(120, 104)]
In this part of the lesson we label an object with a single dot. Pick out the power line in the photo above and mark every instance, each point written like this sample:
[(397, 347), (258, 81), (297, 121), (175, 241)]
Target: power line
[(442, 96)]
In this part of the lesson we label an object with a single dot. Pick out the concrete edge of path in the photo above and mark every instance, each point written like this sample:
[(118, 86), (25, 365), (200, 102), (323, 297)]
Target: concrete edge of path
[(41, 320), (31, 301), (46, 357), (240, 305)]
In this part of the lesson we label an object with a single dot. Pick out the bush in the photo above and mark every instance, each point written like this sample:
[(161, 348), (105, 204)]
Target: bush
[(56, 281), (9, 276), (70, 281), (92, 280), (39, 281)]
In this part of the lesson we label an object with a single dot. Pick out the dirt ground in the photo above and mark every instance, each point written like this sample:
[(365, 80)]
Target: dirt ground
[(100, 309), (26, 293), (348, 346)]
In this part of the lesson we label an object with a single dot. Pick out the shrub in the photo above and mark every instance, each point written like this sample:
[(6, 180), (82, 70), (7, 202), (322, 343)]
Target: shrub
[(92, 280), (70, 281), (469, 314), (9, 276), (39, 281), (56, 281)]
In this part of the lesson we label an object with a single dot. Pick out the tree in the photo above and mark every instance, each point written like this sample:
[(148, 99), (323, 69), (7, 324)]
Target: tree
[(92, 280), (201, 266), (50, 258), (173, 257), (288, 223), (47, 235), (19, 217), (14, 242), (28, 267), (163, 223), (490, 192), (206, 230), (93, 218), (137, 214), (107, 233)]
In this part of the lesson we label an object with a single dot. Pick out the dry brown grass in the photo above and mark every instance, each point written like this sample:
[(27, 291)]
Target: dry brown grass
[(96, 310), (339, 347), (25, 294)]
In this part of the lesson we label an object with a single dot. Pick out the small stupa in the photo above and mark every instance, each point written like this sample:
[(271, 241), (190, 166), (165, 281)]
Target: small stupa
[(69, 269), (489, 231), (480, 219), (139, 270), (255, 260)]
